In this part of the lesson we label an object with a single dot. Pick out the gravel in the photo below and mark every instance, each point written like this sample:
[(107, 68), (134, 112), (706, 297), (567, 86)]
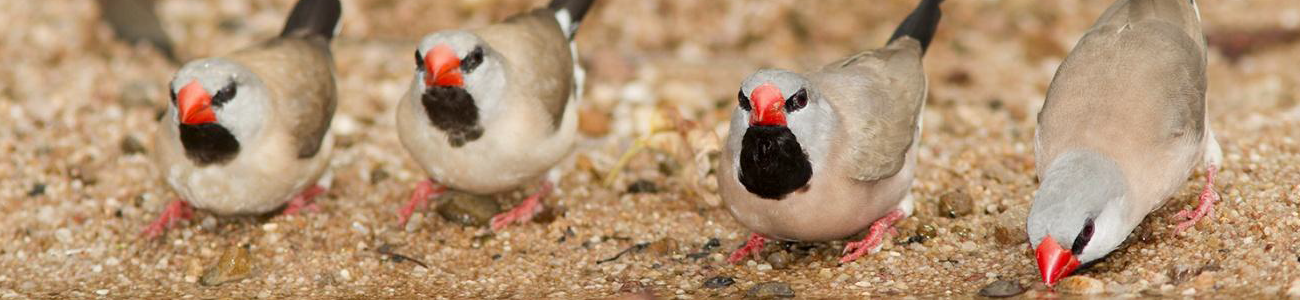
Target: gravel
[(76, 193)]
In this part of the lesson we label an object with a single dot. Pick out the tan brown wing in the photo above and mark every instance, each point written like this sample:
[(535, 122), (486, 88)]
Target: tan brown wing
[(537, 52), (300, 76), (878, 95)]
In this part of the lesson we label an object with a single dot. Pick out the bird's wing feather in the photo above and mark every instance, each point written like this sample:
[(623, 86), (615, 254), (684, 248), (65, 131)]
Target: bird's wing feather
[(299, 74), (538, 53), (878, 95)]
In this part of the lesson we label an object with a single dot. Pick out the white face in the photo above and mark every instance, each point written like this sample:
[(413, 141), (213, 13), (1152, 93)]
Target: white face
[(484, 80), (242, 113)]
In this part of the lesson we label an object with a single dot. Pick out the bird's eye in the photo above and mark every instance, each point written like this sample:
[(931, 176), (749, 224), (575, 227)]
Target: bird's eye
[(172, 93), (796, 101), (744, 101), (1082, 239), (472, 60), (419, 61), (225, 94)]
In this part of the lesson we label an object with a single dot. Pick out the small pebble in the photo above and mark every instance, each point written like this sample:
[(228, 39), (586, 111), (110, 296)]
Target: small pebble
[(1081, 285), (956, 204), (101, 292), (1010, 236), (642, 186), (779, 260), (718, 282), (1294, 290), (663, 247), (236, 263), (1002, 289), (770, 290), (130, 145), (468, 209)]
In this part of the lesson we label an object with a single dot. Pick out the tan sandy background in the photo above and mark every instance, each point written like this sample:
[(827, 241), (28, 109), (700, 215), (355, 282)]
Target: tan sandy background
[(78, 110)]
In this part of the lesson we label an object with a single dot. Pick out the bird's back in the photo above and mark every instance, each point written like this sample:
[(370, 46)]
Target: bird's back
[(1133, 89)]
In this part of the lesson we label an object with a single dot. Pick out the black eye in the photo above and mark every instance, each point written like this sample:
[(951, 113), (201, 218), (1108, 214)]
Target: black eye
[(796, 101), (744, 101), (472, 60), (1082, 239), (172, 91), (419, 61), (225, 94)]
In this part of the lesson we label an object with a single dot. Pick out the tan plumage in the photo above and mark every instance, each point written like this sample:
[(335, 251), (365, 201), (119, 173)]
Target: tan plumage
[(249, 132), (824, 155), (1122, 128), (504, 115)]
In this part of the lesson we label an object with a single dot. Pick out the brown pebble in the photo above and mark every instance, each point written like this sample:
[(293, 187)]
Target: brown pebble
[(467, 209), (663, 247), (780, 259), (593, 122), (1010, 235), (1081, 285), (236, 263), (130, 145), (770, 290), (928, 231), (956, 204), (1002, 289)]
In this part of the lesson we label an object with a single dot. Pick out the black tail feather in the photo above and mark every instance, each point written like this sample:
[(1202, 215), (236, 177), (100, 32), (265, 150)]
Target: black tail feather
[(921, 24), (576, 9), (313, 18)]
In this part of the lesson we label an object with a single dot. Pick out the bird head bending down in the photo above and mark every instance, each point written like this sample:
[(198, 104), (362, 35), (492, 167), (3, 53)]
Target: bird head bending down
[(1077, 215)]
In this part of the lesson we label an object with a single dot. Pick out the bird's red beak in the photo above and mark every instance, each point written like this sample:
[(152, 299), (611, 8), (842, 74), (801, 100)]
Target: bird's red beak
[(195, 104), (1054, 262), (768, 106), (442, 67)]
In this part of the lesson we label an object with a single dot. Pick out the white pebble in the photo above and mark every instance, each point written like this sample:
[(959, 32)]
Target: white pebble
[(345, 275), (97, 268), (101, 292), (764, 267), (269, 227)]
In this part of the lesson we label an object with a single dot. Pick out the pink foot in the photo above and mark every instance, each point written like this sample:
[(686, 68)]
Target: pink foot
[(752, 247), (304, 201), (524, 211), (875, 235), (176, 210), (1207, 198), (419, 198)]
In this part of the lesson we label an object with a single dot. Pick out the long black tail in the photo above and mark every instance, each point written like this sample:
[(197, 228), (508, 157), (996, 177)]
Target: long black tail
[(573, 10), (921, 24), (313, 18)]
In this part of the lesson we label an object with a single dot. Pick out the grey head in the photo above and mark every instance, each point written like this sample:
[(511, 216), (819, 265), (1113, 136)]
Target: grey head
[(1081, 204), (782, 126), (216, 103)]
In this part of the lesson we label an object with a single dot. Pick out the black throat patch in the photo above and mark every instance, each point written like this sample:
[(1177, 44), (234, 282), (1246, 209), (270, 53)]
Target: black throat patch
[(208, 143), (772, 164), (452, 110)]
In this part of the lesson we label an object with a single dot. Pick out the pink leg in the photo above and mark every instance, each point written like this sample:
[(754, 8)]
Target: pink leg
[(304, 201), (524, 211), (752, 247), (874, 237), (419, 198), (1208, 197), (176, 210)]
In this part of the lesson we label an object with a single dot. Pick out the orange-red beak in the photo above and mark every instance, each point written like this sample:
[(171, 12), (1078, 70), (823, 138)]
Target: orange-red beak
[(768, 106), (195, 104), (1054, 262), (442, 67)]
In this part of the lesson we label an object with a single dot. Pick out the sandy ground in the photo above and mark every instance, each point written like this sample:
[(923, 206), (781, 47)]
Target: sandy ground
[(79, 108)]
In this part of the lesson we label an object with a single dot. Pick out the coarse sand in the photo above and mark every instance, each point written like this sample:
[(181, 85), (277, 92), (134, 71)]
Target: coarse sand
[(78, 110)]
